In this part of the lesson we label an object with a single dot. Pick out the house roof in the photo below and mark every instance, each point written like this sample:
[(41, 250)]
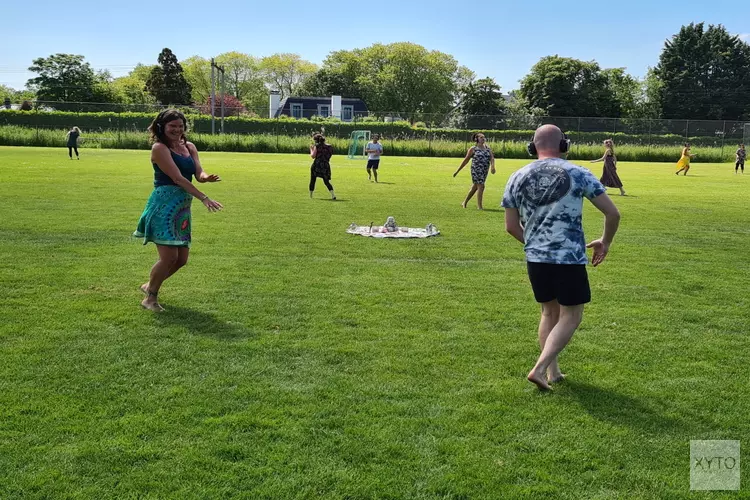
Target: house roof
[(319, 98), (284, 101), (312, 98)]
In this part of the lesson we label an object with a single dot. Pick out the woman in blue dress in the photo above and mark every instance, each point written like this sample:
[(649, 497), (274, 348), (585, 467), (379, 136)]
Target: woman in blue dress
[(166, 220), (482, 162)]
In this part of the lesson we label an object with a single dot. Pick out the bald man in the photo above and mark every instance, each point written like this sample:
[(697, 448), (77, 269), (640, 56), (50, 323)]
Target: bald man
[(543, 206)]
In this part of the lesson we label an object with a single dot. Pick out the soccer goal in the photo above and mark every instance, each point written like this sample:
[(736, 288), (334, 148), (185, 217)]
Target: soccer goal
[(357, 145)]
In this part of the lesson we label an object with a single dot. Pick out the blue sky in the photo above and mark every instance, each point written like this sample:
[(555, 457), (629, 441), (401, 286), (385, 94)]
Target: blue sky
[(497, 39)]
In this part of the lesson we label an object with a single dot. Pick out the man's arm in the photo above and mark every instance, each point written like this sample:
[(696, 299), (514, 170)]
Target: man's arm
[(513, 224), (611, 222)]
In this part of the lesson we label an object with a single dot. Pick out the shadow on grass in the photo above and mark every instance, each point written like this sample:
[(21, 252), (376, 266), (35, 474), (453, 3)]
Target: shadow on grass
[(201, 323), (386, 183), (494, 210), (620, 409)]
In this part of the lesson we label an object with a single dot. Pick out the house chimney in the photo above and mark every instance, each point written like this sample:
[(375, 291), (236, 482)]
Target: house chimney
[(274, 100), (336, 106)]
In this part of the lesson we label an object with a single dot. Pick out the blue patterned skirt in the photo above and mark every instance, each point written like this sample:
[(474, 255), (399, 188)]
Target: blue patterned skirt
[(166, 219), (479, 173)]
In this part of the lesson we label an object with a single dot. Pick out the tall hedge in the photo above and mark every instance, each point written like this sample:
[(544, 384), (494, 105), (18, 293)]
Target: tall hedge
[(134, 122)]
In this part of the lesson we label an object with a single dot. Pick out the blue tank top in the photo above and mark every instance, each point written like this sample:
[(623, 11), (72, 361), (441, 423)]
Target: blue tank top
[(184, 163)]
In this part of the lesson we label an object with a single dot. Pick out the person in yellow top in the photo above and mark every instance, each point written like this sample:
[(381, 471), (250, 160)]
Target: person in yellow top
[(684, 163)]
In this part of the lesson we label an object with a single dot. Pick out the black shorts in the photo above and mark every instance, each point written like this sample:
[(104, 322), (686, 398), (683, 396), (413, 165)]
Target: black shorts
[(374, 164), (566, 283)]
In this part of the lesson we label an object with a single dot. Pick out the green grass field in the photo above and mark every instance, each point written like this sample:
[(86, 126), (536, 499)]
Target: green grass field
[(297, 361)]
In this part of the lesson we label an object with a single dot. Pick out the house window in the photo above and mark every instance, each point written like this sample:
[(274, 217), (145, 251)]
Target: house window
[(324, 110), (296, 110), (347, 113)]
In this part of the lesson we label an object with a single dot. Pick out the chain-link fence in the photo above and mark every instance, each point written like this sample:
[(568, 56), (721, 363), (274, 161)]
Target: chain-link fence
[(412, 134)]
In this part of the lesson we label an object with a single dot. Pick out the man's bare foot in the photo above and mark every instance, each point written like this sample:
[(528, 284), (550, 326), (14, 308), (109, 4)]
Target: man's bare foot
[(152, 305), (463, 205), (555, 378), (539, 381), (144, 288)]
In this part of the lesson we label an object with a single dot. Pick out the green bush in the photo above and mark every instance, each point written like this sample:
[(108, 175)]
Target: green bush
[(334, 128), (271, 143)]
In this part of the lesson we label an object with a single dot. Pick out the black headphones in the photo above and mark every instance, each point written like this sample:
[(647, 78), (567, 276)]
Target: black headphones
[(564, 145)]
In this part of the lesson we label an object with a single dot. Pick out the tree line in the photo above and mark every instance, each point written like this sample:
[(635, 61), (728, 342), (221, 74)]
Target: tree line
[(702, 73)]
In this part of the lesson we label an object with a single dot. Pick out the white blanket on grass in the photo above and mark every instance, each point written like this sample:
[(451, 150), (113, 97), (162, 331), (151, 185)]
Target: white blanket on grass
[(391, 230)]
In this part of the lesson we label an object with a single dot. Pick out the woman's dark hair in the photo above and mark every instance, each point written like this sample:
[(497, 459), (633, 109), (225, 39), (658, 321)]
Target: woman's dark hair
[(159, 125), (476, 135), (319, 138)]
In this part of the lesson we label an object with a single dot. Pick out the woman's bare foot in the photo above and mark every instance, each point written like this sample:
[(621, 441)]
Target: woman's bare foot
[(555, 378), (539, 381), (144, 288), (151, 305), (151, 302), (463, 205)]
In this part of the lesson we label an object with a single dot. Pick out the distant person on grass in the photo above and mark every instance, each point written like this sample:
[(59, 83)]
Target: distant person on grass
[(321, 167), (543, 206), (740, 156), (609, 175), (166, 220), (684, 164), (72, 137), (374, 150), (482, 162)]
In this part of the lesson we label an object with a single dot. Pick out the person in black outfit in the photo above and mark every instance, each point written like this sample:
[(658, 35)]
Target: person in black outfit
[(740, 156), (321, 167), (72, 136)]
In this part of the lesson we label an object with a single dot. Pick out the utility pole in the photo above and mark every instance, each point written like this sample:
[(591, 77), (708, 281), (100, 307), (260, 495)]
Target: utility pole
[(221, 68), (213, 96)]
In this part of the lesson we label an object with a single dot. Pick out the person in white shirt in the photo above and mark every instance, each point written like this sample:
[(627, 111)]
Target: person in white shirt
[(374, 150)]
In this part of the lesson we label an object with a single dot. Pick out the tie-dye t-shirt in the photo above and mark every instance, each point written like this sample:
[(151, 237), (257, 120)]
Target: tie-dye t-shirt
[(549, 197)]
